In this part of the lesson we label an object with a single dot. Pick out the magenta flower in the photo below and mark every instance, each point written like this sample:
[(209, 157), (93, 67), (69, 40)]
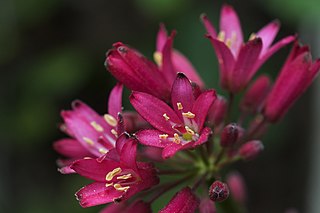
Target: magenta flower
[(117, 175), (185, 201), (238, 61), (294, 78), (93, 135), (178, 128), (171, 61)]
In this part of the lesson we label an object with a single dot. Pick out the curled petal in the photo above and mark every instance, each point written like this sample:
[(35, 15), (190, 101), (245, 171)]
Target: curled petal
[(268, 34)]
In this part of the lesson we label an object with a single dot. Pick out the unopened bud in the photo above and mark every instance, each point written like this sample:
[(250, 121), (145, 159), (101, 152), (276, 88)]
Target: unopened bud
[(237, 187), (218, 191), (207, 206), (229, 135), (251, 149), (218, 111)]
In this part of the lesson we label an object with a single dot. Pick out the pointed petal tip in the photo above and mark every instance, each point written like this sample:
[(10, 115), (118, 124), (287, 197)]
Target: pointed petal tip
[(226, 8), (118, 44), (203, 17)]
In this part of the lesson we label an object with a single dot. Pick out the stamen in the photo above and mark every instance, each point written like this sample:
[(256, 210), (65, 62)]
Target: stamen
[(190, 131), (114, 132), (109, 184), (118, 187), (110, 120), (176, 138), (103, 151), (88, 141), (113, 173), (179, 105), (124, 177), (252, 36), (157, 57), (188, 114), (166, 116), (228, 42), (163, 136), (96, 126), (221, 36)]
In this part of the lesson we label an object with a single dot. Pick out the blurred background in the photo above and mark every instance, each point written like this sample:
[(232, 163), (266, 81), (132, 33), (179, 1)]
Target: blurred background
[(52, 52)]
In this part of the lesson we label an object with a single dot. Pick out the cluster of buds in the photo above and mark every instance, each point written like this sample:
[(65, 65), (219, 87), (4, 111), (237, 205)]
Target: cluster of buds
[(185, 130)]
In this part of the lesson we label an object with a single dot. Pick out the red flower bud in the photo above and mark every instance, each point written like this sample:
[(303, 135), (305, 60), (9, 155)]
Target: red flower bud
[(251, 149), (229, 135), (218, 191)]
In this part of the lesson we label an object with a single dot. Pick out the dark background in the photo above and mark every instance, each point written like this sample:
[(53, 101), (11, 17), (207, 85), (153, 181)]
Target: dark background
[(52, 52)]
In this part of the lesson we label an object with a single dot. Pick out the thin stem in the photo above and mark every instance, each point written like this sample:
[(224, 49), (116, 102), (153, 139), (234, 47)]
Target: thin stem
[(230, 104), (219, 156), (173, 171), (199, 181), (167, 187)]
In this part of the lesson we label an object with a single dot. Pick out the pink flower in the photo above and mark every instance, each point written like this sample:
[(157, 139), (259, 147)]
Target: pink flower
[(171, 60), (238, 61), (185, 201), (178, 127), (251, 149), (117, 175), (92, 135), (207, 206), (237, 187), (294, 78)]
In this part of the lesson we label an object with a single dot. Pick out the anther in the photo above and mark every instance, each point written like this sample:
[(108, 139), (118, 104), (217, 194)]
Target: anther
[(157, 57), (118, 187), (113, 173), (163, 136), (114, 132), (110, 120), (176, 138), (103, 151), (124, 177), (188, 114), (179, 105), (166, 116), (221, 36), (190, 131), (88, 141), (96, 126)]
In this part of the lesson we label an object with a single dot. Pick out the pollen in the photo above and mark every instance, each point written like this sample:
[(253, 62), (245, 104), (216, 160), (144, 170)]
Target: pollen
[(103, 151), (124, 177), (96, 126), (190, 131), (176, 138), (166, 116), (113, 173), (221, 36), (88, 141), (188, 114), (114, 132), (118, 187), (109, 184), (110, 120), (179, 105), (163, 136), (228, 42), (157, 57)]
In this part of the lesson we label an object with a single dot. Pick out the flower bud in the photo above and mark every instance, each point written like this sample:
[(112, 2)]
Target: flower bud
[(251, 149), (207, 206), (237, 187), (218, 111), (218, 191), (229, 135)]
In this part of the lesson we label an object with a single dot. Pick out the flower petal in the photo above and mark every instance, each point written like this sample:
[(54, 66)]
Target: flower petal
[(115, 100), (96, 194), (161, 37), (153, 110), (172, 148), (230, 25), (182, 95), (202, 105), (267, 34), (150, 137), (128, 154), (70, 148), (205, 134), (94, 169), (209, 27), (168, 70)]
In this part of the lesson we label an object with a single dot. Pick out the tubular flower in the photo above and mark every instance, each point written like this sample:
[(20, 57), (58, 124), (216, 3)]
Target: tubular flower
[(117, 175), (179, 127), (294, 78), (92, 135), (238, 61)]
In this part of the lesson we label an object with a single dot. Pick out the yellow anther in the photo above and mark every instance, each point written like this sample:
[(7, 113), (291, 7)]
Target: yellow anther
[(110, 120), (252, 36), (88, 141), (176, 138), (221, 36), (166, 116), (188, 115), (124, 177), (118, 187), (163, 136), (157, 57), (114, 132), (233, 36), (96, 126), (103, 151), (179, 105), (109, 184), (190, 131), (228, 42), (87, 158), (113, 173)]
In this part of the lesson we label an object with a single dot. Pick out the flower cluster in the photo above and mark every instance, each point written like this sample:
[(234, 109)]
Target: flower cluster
[(183, 129)]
